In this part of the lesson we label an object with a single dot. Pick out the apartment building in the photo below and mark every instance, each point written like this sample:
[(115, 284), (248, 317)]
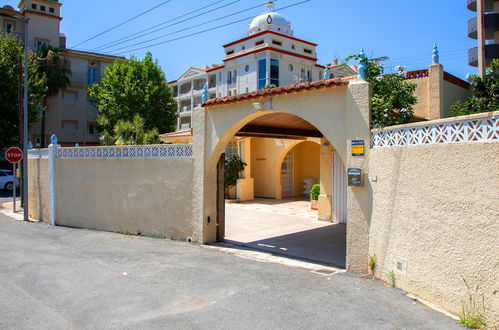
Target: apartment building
[(485, 29), (268, 55), (70, 115)]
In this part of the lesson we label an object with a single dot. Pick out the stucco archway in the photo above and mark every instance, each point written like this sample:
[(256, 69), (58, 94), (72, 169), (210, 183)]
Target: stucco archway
[(281, 160), (338, 109)]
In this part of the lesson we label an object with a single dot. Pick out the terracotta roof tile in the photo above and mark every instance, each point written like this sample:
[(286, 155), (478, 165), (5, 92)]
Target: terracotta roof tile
[(187, 132), (279, 90)]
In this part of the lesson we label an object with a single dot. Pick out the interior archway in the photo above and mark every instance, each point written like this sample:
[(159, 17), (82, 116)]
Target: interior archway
[(267, 221)]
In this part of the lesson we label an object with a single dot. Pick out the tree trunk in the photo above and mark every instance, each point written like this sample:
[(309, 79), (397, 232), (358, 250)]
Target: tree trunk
[(42, 131)]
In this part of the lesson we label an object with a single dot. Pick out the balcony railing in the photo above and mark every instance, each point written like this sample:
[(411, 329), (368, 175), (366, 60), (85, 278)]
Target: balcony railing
[(185, 108), (185, 126)]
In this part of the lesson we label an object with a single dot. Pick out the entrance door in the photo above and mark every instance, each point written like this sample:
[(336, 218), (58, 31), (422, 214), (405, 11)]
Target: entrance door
[(339, 190), (221, 198), (287, 175)]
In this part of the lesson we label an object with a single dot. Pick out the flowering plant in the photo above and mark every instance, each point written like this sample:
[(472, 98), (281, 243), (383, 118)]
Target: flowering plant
[(393, 96)]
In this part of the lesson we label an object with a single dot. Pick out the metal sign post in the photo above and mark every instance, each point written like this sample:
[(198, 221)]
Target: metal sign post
[(14, 155), (14, 189)]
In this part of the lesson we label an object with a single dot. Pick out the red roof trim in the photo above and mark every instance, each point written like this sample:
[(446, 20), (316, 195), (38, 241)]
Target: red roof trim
[(274, 50), (268, 32), (279, 90), (456, 81), (320, 66), (214, 69), (171, 82)]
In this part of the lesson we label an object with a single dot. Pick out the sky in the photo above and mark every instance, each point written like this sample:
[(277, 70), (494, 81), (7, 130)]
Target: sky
[(403, 30)]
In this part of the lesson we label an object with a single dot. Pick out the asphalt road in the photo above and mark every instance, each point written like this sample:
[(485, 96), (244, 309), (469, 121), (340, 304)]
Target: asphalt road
[(63, 278)]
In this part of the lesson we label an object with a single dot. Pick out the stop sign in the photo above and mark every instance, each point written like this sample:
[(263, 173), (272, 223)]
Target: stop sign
[(14, 155)]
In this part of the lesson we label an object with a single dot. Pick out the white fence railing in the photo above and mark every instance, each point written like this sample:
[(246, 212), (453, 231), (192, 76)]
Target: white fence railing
[(475, 128), (147, 151)]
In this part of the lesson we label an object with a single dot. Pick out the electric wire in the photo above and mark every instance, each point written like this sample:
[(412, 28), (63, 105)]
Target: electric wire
[(123, 23), (207, 30), (187, 28), (142, 33)]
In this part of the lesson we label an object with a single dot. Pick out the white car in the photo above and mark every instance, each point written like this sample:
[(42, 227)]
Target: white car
[(7, 180)]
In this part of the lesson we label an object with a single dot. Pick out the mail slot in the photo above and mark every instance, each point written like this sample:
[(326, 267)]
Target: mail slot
[(355, 177)]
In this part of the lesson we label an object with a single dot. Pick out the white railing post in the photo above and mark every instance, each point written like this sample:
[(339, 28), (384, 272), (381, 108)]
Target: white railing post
[(52, 155)]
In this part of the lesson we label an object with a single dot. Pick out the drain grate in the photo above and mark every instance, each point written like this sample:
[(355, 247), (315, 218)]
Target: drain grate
[(324, 271)]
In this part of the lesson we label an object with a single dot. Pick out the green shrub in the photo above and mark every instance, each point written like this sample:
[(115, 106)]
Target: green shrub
[(315, 192), (485, 96), (393, 95), (233, 166)]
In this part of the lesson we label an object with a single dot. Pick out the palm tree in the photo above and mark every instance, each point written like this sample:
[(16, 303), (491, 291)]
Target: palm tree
[(53, 66), (133, 132)]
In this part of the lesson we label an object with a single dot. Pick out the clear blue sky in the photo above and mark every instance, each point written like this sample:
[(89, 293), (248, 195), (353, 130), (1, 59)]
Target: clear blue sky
[(404, 30)]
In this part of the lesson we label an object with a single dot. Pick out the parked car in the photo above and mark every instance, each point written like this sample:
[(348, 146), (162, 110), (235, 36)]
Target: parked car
[(7, 180), (4, 164)]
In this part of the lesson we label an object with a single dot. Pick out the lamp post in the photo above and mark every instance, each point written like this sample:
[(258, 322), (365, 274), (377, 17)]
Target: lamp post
[(25, 123)]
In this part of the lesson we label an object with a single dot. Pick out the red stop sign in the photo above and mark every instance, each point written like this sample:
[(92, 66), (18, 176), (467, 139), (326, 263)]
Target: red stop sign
[(14, 155)]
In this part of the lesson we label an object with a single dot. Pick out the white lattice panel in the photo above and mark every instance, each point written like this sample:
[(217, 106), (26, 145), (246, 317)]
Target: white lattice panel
[(477, 130), (152, 151)]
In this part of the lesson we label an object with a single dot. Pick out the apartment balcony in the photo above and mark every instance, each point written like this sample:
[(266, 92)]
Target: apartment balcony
[(491, 52), (489, 5), (491, 25), (185, 111), (185, 126)]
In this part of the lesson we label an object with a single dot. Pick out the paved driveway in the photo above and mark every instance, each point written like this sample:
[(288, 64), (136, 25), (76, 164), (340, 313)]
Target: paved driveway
[(63, 278), (287, 227)]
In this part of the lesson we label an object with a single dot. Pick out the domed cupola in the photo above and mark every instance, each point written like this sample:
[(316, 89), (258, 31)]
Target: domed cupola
[(270, 21)]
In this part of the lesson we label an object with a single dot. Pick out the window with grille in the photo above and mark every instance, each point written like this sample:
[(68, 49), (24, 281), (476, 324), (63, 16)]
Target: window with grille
[(231, 149)]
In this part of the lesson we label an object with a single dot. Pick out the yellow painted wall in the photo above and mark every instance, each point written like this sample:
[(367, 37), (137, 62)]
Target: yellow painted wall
[(265, 154), (306, 164)]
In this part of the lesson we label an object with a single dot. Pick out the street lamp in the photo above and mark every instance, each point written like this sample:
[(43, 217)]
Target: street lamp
[(25, 122)]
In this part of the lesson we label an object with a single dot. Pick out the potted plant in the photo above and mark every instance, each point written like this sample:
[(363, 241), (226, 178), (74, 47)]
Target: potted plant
[(314, 196), (233, 166)]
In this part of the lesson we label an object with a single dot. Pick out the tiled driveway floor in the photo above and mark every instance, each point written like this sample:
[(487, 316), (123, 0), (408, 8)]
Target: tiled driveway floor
[(286, 227)]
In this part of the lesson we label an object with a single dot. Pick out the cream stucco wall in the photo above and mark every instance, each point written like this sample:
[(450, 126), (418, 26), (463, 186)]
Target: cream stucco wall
[(421, 93), (452, 93), (38, 189), (435, 216), (340, 113), (139, 195)]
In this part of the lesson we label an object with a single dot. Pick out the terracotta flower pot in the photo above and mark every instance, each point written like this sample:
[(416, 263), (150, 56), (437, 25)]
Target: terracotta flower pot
[(314, 204)]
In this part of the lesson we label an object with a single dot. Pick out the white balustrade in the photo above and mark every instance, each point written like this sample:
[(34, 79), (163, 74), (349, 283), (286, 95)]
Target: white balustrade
[(481, 129), (145, 151)]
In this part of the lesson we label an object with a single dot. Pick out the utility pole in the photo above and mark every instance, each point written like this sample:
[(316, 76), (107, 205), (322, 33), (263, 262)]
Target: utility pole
[(481, 37), (25, 123)]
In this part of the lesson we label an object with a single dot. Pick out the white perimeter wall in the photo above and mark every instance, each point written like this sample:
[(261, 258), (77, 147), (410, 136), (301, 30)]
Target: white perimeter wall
[(150, 196), (435, 220)]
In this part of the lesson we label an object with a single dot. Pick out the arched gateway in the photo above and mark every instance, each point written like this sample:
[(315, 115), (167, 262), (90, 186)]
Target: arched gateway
[(338, 109)]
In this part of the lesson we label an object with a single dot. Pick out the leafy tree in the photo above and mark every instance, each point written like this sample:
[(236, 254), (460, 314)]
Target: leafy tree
[(134, 87), (52, 65), (132, 132), (11, 65), (485, 96), (233, 166), (393, 96)]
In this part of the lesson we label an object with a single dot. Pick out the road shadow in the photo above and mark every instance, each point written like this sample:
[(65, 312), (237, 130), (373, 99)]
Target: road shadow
[(326, 245)]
